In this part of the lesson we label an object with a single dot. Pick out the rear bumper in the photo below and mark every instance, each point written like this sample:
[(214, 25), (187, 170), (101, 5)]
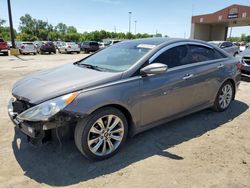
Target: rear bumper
[(28, 51), (48, 50), (3, 50), (73, 50)]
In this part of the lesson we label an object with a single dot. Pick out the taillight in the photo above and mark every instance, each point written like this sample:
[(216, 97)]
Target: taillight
[(22, 46), (69, 46), (239, 65), (78, 45)]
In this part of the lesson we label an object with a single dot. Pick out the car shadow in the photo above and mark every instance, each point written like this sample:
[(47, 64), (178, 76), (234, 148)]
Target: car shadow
[(64, 166)]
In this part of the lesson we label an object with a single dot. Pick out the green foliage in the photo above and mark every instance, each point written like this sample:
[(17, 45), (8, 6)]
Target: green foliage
[(32, 29), (243, 37), (5, 31)]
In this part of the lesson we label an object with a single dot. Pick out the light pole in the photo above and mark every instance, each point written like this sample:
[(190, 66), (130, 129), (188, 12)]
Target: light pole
[(135, 26), (11, 25), (129, 20)]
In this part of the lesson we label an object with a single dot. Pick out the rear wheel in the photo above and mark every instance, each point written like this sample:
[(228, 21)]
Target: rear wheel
[(102, 134), (224, 97), (6, 53), (86, 51)]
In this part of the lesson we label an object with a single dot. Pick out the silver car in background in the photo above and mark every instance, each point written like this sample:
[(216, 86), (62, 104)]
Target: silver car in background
[(123, 90), (68, 47), (227, 46), (245, 59), (26, 48)]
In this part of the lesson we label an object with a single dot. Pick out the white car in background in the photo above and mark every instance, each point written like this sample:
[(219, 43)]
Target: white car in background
[(26, 48), (227, 46), (69, 47)]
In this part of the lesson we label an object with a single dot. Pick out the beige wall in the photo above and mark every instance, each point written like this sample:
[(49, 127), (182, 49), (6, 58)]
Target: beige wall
[(200, 31), (208, 32), (218, 32)]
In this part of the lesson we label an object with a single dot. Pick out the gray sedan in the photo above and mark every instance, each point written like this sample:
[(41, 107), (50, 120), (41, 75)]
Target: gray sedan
[(122, 90)]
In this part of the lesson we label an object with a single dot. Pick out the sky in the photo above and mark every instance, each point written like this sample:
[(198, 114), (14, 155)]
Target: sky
[(172, 18)]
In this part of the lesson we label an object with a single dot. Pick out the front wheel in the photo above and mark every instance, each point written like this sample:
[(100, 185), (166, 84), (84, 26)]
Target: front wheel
[(224, 97), (102, 134)]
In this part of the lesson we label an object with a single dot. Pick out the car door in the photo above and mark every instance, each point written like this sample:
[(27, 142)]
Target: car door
[(171, 93), (207, 64)]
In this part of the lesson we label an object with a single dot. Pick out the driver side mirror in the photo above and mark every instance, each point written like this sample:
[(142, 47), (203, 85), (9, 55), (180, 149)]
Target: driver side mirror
[(155, 68)]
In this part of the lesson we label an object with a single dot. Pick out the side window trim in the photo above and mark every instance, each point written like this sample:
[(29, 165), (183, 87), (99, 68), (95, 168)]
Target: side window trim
[(164, 49)]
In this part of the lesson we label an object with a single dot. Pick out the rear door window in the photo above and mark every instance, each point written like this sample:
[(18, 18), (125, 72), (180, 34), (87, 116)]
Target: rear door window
[(201, 53)]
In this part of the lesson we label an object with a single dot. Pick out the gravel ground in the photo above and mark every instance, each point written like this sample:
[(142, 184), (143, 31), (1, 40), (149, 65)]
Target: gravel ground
[(206, 149)]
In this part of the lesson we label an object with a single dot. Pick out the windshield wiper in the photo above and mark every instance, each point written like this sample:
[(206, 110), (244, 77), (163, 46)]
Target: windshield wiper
[(94, 67)]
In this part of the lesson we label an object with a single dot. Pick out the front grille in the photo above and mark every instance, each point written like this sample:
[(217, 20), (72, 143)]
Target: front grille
[(20, 106), (246, 60)]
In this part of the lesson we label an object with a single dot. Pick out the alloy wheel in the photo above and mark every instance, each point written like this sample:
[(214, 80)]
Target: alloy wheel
[(226, 96), (105, 135)]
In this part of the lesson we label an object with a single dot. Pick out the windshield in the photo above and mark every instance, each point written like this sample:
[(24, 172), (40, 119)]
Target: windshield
[(118, 58)]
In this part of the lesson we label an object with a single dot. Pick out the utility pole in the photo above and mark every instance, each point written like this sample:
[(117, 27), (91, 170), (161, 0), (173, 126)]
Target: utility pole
[(11, 25), (135, 26), (129, 21), (115, 29)]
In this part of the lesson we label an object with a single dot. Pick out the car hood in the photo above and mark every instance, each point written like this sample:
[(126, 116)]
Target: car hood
[(44, 85), (245, 53)]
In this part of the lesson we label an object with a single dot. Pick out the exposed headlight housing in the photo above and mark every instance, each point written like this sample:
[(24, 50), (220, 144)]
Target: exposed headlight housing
[(46, 110)]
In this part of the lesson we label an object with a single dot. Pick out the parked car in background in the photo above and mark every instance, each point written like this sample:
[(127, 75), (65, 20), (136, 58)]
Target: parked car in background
[(227, 46), (89, 46), (4, 47), (123, 90), (46, 47), (102, 45), (112, 42), (245, 59), (26, 48), (69, 47)]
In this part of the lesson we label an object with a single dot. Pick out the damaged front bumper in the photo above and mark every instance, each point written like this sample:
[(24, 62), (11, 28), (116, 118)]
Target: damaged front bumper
[(33, 130)]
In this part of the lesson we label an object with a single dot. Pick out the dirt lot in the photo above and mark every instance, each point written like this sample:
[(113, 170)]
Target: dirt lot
[(206, 149)]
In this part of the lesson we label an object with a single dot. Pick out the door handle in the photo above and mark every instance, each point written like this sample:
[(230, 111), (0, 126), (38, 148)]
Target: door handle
[(220, 66), (187, 76)]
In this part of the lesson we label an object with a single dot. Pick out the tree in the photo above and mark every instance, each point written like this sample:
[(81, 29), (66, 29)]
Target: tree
[(2, 22), (26, 37), (27, 24), (71, 29), (61, 27)]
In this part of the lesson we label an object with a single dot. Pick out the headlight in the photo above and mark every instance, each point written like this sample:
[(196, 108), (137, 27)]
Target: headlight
[(44, 111)]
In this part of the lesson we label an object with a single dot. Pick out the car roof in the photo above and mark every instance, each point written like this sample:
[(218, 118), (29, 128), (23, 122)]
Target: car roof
[(161, 41)]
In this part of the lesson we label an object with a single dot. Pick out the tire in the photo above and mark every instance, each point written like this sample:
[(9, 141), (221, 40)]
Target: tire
[(221, 104), (84, 134), (6, 53), (86, 51), (34, 53), (78, 52)]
